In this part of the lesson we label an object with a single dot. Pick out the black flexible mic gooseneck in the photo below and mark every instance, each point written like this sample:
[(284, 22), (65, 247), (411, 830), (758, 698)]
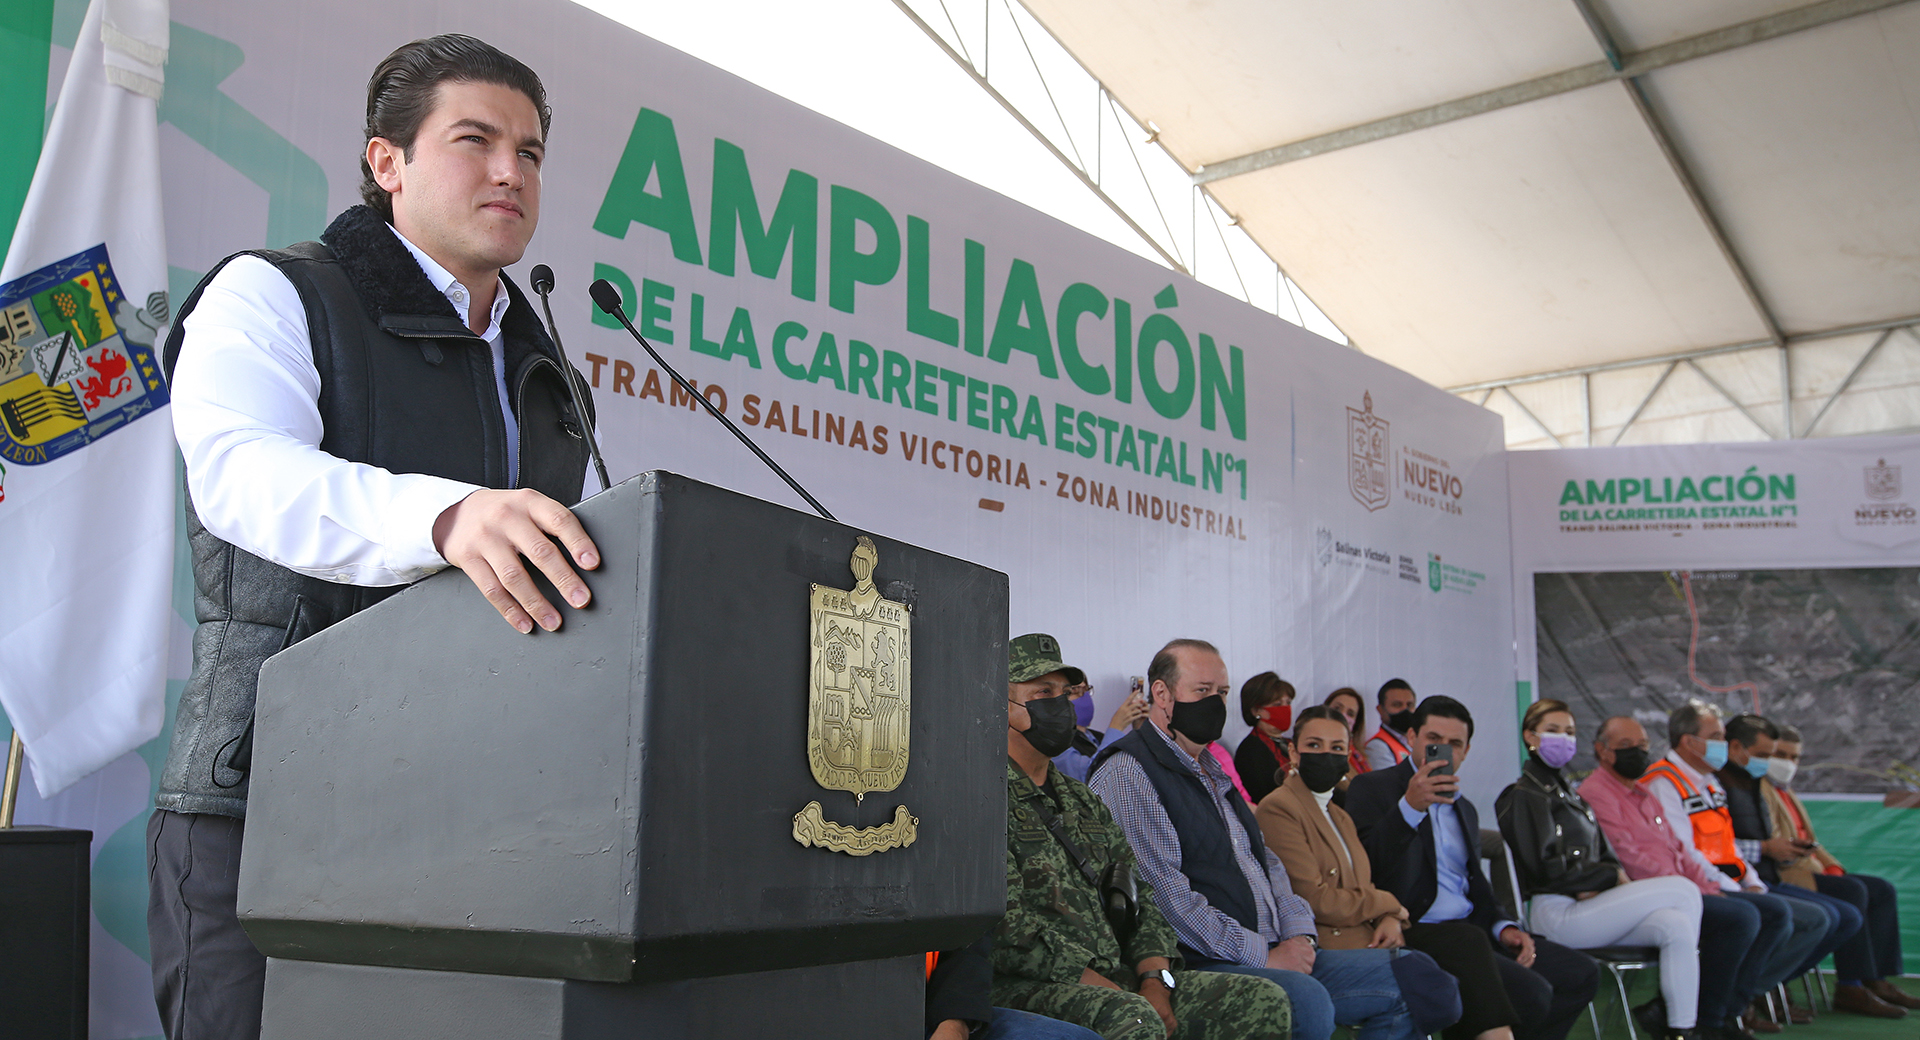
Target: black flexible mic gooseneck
[(607, 298), (541, 279)]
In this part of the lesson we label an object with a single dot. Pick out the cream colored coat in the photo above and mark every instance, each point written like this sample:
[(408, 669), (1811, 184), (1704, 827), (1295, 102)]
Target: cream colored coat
[(1345, 903)]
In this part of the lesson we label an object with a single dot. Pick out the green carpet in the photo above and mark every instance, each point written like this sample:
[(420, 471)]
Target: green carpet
[(1868, 838), (1827, 1025)]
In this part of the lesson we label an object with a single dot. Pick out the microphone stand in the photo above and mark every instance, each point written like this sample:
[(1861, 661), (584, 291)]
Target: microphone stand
[(607, 298), (542, 281)]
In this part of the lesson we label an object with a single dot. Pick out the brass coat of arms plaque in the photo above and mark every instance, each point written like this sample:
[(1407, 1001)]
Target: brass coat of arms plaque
[(859, 704)]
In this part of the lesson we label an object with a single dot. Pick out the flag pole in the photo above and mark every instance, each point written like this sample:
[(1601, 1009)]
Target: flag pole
[(15, 750)]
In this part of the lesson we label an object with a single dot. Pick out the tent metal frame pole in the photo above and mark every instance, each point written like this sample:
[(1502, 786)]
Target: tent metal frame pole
[(1092, 174), (1718, 41), (1732, 400), (1682, 171), (1644, 402), (1528, 412), (1661, 359), (1586, 406), (1848, 382)]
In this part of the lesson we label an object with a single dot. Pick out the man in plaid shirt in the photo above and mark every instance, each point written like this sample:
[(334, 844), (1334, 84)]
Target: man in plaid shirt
[(1223, 891)]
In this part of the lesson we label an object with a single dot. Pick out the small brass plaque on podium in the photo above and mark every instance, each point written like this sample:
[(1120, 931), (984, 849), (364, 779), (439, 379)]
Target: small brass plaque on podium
[(859, 701)]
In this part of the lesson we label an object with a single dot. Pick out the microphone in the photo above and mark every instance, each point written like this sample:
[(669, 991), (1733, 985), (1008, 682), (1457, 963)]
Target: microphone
[(541, 279), (607, 298)]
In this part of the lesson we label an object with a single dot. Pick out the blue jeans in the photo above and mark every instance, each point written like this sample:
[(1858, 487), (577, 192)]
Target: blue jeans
[(1009, 1024), (1734, 947), (1348, 987), (1847, 921)]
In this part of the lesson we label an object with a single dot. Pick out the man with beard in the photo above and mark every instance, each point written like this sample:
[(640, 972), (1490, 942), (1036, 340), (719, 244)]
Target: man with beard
[(1058, 951)]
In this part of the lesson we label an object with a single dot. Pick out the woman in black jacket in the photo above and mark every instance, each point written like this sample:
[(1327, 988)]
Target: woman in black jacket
[(1581, 896), (1263, 758)]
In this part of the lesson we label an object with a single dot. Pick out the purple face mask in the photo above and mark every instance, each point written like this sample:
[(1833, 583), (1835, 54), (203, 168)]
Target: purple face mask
[(1083, 709), (1557, 749)]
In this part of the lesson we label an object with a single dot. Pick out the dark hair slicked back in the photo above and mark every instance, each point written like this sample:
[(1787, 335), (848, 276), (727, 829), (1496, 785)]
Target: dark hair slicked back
[(1380, 699), (1318, 711), (1444, 707), (1744, 728), (406, 84)]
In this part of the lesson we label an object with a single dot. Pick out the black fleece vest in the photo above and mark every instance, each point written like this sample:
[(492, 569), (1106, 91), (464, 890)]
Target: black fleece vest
[(1206, 849), (405, 386)]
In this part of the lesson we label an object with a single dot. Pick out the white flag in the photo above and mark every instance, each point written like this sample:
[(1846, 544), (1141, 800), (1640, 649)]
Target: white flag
[(86, 437)]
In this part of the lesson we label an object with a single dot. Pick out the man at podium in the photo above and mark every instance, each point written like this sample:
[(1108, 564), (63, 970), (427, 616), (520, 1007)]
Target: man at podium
[(309, 502), (1082, 940)]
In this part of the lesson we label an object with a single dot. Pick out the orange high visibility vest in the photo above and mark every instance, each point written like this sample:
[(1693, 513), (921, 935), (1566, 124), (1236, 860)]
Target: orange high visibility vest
[(1707, 812), (1394, 745)]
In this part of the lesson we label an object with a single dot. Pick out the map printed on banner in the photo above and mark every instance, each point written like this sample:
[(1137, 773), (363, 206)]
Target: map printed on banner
[(76, 358)]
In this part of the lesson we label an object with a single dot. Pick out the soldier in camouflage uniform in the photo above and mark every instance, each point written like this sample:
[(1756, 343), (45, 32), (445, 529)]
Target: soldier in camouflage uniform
[(1055, 953)]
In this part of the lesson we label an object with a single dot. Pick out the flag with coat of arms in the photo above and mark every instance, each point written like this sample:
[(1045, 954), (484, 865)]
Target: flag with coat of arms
[(86, 437)]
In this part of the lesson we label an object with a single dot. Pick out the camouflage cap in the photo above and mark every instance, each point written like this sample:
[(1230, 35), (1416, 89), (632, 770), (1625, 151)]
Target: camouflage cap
[(1032, 656)]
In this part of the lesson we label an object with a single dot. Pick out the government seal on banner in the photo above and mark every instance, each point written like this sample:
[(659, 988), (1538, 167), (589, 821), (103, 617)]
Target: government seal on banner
[(76, 358), (1369, 472), (859, 704), (1883, 481)]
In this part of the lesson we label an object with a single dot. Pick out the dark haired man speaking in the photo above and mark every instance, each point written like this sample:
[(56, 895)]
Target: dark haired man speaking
[(356, 414), (1423, 837)]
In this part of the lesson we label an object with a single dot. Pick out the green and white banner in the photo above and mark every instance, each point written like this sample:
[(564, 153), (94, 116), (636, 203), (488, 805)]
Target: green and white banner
[(1145, 457)]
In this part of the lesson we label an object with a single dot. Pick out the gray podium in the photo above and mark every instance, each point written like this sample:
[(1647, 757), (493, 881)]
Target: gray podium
[(458, 831)]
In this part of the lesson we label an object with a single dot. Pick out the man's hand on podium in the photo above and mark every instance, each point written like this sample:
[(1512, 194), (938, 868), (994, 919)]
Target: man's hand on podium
[(488, 533)]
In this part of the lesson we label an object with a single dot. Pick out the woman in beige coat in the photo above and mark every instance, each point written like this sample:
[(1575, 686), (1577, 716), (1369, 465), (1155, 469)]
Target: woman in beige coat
[(1320, 848)]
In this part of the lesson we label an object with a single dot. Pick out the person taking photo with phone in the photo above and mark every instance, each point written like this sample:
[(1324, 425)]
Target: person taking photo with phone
[(1423, 838)]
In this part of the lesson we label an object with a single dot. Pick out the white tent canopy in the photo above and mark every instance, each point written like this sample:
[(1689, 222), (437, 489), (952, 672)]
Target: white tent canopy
[(1710, 198)]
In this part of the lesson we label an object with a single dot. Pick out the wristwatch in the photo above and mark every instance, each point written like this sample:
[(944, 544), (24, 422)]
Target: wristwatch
[(1164, 977)]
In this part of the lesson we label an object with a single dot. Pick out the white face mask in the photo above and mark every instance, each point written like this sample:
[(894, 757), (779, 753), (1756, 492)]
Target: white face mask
[(1781, 770)]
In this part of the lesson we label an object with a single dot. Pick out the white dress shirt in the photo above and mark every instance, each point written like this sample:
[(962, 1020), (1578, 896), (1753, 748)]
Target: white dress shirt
[(246, 413), (1674, 808), (1450, 899)]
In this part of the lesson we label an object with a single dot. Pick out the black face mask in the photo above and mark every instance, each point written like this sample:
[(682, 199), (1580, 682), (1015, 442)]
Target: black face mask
[(1630, 763), (1400, 721), (1320, 770), (1051, 726), (1199, 721)]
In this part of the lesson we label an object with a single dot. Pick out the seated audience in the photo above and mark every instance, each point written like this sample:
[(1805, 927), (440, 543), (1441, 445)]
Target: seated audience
[(1346, 700), (1266, 704), (1580, 895), (1087, 742), (1389, 746), (1735, 946), (1056, 951), (960, 1006), (1694, 805), (1749, 747), (1864, 962), (1328, 868), (1224, 892), (1423, 839)]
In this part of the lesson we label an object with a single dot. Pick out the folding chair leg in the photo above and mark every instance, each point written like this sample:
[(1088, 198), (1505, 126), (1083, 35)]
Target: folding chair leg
[(1594, 1014), (1780, 994), (1626, 1009), (1806, 987), (1826, 995)]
